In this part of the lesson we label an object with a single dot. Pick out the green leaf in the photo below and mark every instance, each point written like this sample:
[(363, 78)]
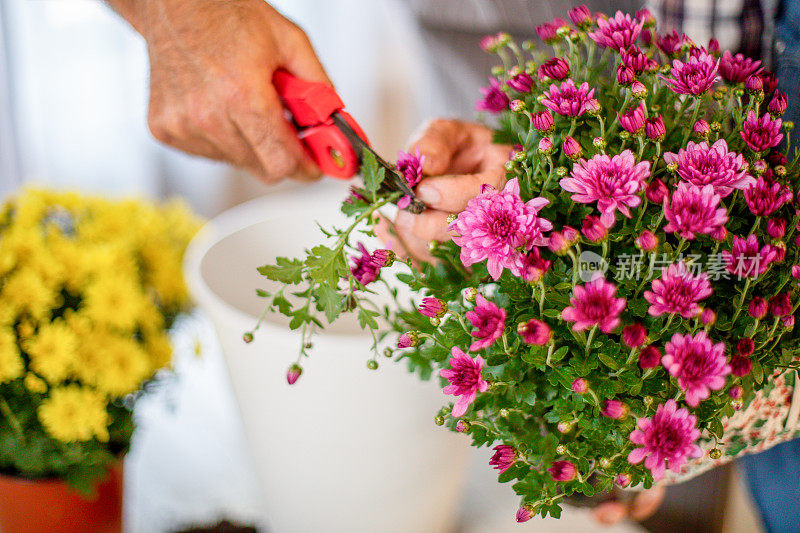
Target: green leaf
[(609, 361), (373, 173), (758, 372), (325, 265), (559, 354), (366, 318), (331, 301), (285, 270), (715, 427)]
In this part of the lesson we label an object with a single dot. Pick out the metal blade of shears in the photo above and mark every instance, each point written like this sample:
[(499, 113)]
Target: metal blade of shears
[(392, 180)]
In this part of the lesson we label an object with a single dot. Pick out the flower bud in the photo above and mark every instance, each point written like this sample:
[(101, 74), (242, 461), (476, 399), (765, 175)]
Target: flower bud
[(561, 449), (741, 366), (524, 514), (593, 107), (720, 234), (383, 258), (593, 230), (388, 352), (554, 69), (534, 332), (439, 420), (735, 392), (788, 125), (614, 409), (561, 171), (604, 462), (599, 143), (634, 335), (572, 149), (462, 426), (759, 167), (470, 293), (625, 75), (650, 357), (781, 304), (564, 427), (510, 166), (517, 106), (498, 71), (788, 322), (563, 471), (408, 339), (623, 480), (580, 386), (647, 241), (657, 191), (248, 337), (715, 126), (433, 307), (777, 106), (543, 122), (737, 404), (638, 90), (558, 244), (702, 129), (715, 454), (713, 47), (503, 412), (522, 83), (654, 128), (776, 228), (708, 317), (372, 364), (758, 308), (648, 401), (571, 234), (745, 346), (754, 84), (780, 171), (293, 374), (546, 146), (581, 17)]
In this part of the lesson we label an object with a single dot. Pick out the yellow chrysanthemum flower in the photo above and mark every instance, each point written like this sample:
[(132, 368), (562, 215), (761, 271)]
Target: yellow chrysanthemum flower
[(26, 292), (114, 301), (113, 364), (53, 351), (75, 414), (159, 348), (34, 383), (11, 364)]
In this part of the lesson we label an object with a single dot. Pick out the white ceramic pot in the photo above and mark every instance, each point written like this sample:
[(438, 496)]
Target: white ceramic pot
[(345, 448)]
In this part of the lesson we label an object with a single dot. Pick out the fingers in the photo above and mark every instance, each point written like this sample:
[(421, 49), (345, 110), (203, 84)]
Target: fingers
[(299, 58), (452, 192), (403, 244), (439, 141), (646, 503), (610, 513), (430, 225)]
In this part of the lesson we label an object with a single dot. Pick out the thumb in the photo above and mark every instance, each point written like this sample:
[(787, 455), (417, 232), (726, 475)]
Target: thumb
[(439, 142)]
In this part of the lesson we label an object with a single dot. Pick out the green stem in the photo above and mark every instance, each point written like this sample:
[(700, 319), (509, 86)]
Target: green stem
[(741, 300), (12, 419), (690, 126), (589, 339)]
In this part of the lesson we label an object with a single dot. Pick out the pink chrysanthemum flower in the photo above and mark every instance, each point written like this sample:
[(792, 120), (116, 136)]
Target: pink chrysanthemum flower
[(489, 321), (737, 68), (556, 69), (693, 210), (522, 83), (465, 380), (496, 224), (494, 99), (763, 133), (548, 32), (672, 43), (667, 440), (695, 76), (568, 100), (594, 304), (614, 183), (699, 365), (702, 164), (636, 59), (678, 291), (563, 471), (620, 31), (410, 167), (531, 266), (764, 198), (503, 457), (633, 120), (363, 267), (746, 260)]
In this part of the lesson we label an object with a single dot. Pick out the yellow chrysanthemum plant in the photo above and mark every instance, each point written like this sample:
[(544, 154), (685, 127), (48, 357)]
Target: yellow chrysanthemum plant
[(89, 288)]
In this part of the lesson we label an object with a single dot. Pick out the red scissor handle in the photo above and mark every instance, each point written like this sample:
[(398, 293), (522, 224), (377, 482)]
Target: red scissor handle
[(312, 104)]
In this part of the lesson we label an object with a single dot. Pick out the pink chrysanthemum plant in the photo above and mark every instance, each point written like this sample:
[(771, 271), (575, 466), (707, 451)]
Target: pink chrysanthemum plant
[(597, 318)]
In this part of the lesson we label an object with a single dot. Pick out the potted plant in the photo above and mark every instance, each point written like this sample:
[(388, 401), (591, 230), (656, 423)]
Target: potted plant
[(89, 288), (622, 311)]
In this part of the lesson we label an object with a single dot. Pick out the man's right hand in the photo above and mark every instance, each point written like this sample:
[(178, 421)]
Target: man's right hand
[(211, 93)]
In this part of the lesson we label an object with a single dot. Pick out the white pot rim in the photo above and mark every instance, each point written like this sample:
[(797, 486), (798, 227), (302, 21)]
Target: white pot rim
[(243, 216)]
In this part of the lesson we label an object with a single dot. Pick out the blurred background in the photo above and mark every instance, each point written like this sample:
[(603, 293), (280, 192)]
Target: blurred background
[(73, 106)]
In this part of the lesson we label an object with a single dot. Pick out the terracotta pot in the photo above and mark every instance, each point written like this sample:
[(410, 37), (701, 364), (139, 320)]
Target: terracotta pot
[(51, 506)]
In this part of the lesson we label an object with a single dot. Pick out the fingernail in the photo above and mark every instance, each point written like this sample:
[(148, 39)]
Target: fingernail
[(428, 194)]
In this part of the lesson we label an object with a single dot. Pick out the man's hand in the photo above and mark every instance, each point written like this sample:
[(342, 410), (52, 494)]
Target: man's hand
[(459, 159), (640, 507), (211, 93)]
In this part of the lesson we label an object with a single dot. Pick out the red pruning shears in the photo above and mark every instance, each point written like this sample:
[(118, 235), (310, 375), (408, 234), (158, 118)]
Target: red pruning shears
[(331, 137)]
